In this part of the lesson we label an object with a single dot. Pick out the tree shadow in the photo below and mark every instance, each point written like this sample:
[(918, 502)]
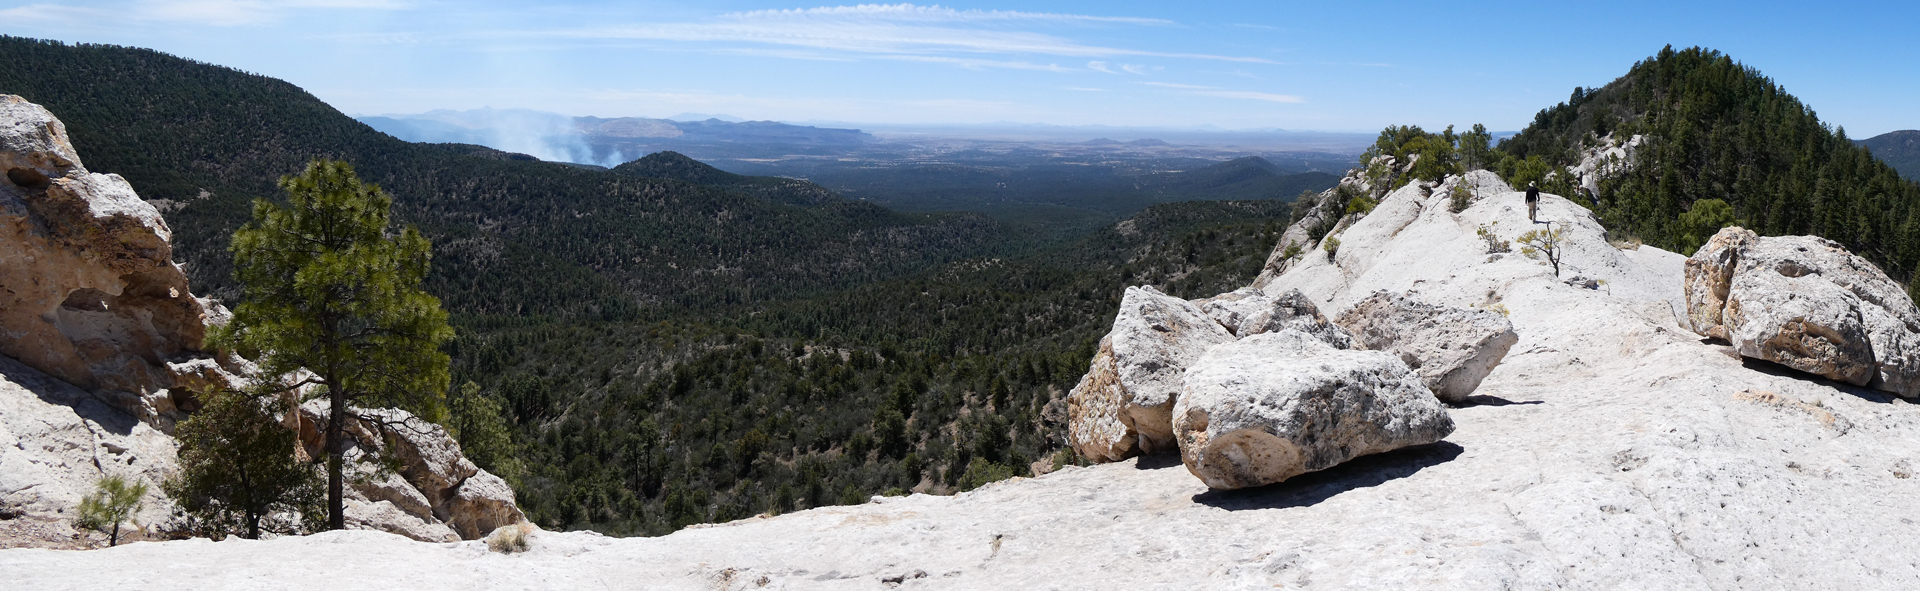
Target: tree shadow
[(1488, 400), (1310, 489), (1782, 371)]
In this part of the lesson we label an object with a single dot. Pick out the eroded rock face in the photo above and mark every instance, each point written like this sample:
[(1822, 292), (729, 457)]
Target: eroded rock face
[(88, 290), (1709, 276), (1247, 311), (1806, 303), (1121, 407), (1275, 405), (1452, 349), (435, 484)]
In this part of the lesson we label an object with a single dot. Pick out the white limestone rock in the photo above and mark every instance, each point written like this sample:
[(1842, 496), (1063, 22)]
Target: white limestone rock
[(1806, 303), (1276, 405), (1452, 349), (1122, 406), (57, 441), (1247, 311)]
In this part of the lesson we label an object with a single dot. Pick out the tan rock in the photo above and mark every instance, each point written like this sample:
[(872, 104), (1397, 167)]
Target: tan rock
[(1806, 303), (1709, 275), (88, 290), (1122, 406), (434, 483)]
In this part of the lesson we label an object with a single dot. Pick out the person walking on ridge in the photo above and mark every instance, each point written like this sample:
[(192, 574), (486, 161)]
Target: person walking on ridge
[(1533, 203)]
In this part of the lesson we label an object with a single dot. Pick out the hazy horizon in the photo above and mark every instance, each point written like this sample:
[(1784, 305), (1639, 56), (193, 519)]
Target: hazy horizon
[(1236, 65)]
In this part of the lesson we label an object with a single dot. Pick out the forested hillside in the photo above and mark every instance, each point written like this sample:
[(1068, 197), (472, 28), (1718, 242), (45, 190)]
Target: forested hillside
[(939, 382), (1720, 130), (1899, 149), (665, 343), (515, 239)]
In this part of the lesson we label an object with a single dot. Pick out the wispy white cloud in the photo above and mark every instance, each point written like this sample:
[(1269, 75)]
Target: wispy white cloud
[(219, 13), (1099, 66), (933, 13), (977, 64), (1176, 85), (1140, 69), (896, 29), (1256, 96), (1083, 89)]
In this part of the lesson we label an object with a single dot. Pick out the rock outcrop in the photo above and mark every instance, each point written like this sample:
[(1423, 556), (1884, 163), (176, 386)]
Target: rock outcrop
[(1247, 311), (111, 352), (441, 492), (88, 290), (1273, 406), (1451, 348), (1123, 405), (95, 298), (1806, 303)]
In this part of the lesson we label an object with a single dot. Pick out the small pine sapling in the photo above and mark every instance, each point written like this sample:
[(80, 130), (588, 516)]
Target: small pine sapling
[(113, 502), (1495, 245), (1547, 244)]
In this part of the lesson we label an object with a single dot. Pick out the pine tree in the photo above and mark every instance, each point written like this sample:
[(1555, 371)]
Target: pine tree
[(238, 474), (329, 290)]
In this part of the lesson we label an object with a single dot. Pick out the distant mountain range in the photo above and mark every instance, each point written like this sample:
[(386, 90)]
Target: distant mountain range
[(1899, 149), (598, 140)]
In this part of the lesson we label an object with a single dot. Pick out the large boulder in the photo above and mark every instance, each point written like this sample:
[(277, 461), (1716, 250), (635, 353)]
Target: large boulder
[(1451, 348), (88, 291), (1248, 311), (1806, 303), (1272, 406), (1122, 406)]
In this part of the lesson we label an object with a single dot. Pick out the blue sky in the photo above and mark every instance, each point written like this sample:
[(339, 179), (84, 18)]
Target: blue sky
[(1333, 66)]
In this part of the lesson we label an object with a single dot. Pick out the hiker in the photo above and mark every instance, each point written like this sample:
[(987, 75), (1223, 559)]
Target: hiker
[(1533, 203)]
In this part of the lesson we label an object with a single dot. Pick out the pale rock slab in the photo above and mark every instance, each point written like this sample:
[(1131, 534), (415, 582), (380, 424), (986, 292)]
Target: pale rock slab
[(1452, 349), (1806, 303), (1247, 311), (1122, 406), (1276, 405), (57, 441)]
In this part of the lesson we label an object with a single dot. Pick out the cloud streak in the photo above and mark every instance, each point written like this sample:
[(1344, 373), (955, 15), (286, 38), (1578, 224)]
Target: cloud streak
[(899, 29), (219, 13)]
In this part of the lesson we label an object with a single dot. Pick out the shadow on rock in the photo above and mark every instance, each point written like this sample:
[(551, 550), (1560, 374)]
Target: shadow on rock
[(53, 391), (1486, 400), (1778, 370), (1310, 489), (1158, 461)]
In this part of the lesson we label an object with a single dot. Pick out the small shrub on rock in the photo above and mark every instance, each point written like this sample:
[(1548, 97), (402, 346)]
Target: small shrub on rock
[(511, 539), (113, 502), (1332, 246), (1495, 245)]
